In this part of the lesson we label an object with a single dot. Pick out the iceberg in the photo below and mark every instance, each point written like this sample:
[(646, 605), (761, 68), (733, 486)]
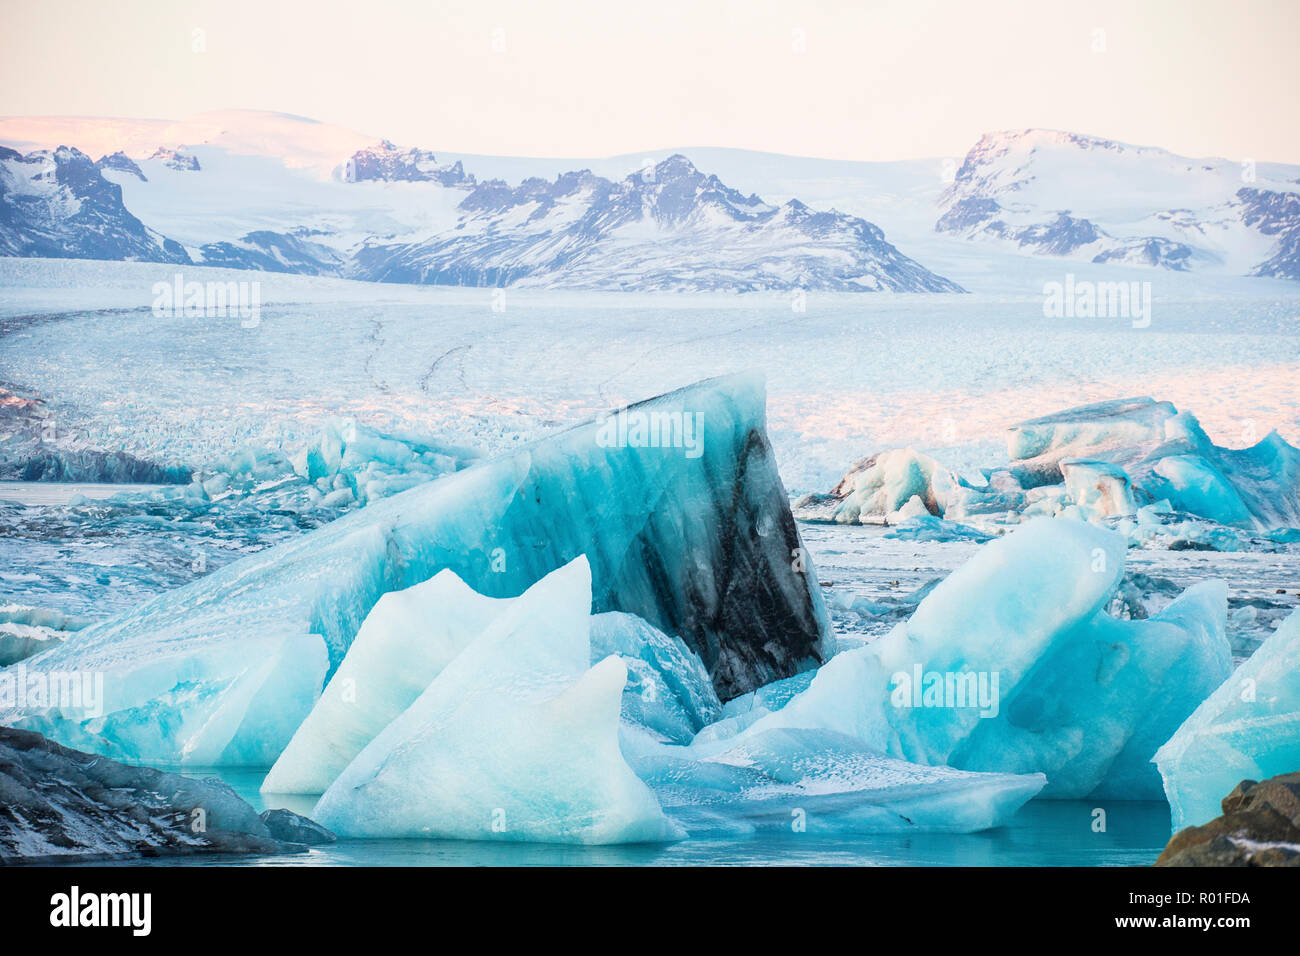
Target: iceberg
[(929, 528), (404, 643), (1093, 463), (1097, 489), (1011, 665), (668, 691), (698, 541), (1247, 729), (816, 781), (516, 739)]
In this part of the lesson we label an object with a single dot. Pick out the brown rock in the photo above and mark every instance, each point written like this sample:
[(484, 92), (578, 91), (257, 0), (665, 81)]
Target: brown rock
[(1237, 799), (1217, 852), (1256, 812), (1259, 826)]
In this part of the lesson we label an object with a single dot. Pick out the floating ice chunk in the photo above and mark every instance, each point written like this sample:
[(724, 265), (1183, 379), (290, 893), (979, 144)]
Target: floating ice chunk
[(739, 713), (516, 739), (668, 690), (1010, 665), (701, 546), (403, 644), (1090, 463), (881, 488), (1098, 489), (929, 528), (26, 631), (1191, 484), (1093, 712), (1100, 431), (825, 782), (221, 672), (878, 486), (914, 507), (1248, 729)]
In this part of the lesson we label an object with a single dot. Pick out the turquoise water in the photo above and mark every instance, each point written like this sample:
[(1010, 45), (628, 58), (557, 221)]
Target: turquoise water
[(1044, 833)]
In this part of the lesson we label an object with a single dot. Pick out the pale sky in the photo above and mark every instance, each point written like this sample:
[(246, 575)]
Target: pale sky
[(581, 78)]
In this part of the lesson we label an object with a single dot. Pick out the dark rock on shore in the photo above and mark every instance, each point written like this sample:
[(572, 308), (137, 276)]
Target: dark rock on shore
[(1260, 826), (295, 828), (61, 805)]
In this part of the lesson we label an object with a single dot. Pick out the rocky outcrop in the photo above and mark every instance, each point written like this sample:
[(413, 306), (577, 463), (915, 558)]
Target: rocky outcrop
[(1260, 826), (384, 162), (1274, 213), (122, 163), (62, 805), (177, 159), (295, 828)]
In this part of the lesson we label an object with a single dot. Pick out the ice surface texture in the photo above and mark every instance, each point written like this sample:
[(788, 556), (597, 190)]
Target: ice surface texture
[(222, 671), (796, 779), (1011, 665), (1248, 729)]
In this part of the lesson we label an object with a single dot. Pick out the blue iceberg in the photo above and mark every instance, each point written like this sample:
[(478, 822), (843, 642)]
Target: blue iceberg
[(1092, 463), (516, 739), (819, 781), (1248, 729), (1011, 665), (694, 537)]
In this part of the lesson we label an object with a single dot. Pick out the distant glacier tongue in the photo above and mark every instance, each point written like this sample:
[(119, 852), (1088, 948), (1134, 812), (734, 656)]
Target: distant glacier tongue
[(676, 502)]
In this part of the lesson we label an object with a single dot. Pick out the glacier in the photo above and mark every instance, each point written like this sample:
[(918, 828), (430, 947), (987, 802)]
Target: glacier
[(1247, 729), (222, 671), (1011, 665)]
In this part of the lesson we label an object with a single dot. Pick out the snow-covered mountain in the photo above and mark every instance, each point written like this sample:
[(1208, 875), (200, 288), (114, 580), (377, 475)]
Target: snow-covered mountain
[(271, 191), (669, 226), (270, 202), (56, 203), (386, 163), (1064, 194)]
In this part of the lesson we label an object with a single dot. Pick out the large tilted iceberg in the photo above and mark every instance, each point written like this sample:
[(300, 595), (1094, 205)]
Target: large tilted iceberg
[(676, 502), (1011, 665), (517, 738), (1248, 729), (1094, 462)]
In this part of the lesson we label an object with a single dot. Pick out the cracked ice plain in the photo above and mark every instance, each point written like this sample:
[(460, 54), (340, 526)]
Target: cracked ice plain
[(222, 671), (1082, 697), (1248, 729)]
